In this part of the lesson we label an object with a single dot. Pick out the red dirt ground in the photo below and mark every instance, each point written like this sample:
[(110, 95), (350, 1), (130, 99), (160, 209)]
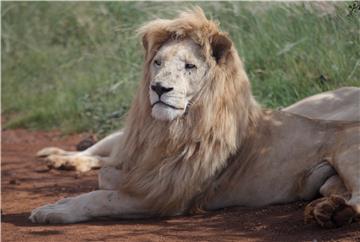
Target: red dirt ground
[(27, 183)]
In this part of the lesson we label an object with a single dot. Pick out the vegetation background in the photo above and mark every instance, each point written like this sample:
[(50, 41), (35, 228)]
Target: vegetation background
[(74, 66)]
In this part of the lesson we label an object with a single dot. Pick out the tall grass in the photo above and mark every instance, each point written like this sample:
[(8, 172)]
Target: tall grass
[(75, 65)]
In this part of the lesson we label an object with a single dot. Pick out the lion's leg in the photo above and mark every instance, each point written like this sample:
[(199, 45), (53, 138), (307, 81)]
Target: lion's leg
[(93, 157), (341, 202), (101, 148), (104, 147), (109, 178), (87, 206), (331, 210), (347, 165), (334, 186)]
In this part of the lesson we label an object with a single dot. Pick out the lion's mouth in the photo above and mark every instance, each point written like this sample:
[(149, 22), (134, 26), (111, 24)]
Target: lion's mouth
[(166, 104)]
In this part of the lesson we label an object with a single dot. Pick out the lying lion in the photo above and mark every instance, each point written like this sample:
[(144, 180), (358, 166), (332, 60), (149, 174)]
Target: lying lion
[(196, 139)]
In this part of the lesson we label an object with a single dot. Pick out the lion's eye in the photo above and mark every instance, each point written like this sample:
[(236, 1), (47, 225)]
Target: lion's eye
[(190, 66), (157, 62)]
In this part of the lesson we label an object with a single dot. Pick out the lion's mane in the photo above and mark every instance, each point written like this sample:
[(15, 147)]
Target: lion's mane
[(169, 163)]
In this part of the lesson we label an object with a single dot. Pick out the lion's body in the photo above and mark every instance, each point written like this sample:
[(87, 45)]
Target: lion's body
[(273, 177), (195, 138)]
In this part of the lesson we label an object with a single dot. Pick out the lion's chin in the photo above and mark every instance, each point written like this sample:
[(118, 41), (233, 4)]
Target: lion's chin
[(165, 113)]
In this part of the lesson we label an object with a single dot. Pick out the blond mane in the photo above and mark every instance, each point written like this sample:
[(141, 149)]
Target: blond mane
[(176, 158)]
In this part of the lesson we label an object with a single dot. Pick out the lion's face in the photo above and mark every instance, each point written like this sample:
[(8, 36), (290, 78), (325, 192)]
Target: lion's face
[(177, 75)]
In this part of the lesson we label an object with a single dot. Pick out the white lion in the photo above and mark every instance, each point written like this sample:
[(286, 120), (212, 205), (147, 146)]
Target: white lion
[(196, 139)]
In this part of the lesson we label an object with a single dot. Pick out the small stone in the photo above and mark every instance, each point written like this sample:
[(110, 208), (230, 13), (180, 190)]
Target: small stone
[(85, 143), (42, 169), (14, 182)]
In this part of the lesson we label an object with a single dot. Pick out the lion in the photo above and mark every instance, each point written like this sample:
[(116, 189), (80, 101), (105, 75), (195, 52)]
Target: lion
[(195, 139)]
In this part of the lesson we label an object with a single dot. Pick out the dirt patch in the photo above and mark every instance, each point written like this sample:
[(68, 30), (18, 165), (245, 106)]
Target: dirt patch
[(27, 183)]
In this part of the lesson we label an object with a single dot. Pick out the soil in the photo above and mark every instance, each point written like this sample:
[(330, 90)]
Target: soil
[(27, 183)]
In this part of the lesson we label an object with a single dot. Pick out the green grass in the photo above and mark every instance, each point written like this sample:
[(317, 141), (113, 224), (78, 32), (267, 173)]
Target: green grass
[(75, 66)]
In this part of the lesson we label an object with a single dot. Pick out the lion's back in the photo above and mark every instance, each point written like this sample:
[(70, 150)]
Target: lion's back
[(341, 104)]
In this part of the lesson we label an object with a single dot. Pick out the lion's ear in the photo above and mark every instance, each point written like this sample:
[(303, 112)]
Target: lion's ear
[(145, 42), (152, 40), (220, 45)]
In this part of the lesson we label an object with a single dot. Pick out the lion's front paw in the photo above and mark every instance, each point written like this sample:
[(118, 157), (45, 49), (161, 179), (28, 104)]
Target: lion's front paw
[(50, 151), (329, 212), (61, 212), (60, 162), (72, 162)]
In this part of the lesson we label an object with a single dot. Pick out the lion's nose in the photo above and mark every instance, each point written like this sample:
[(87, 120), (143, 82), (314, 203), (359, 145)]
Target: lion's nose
[(160, 90)]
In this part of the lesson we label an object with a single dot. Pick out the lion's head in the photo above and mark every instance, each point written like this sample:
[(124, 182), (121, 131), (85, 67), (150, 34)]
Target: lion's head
[(191, 112), (179, 60), (177, 73), (183, 59)]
